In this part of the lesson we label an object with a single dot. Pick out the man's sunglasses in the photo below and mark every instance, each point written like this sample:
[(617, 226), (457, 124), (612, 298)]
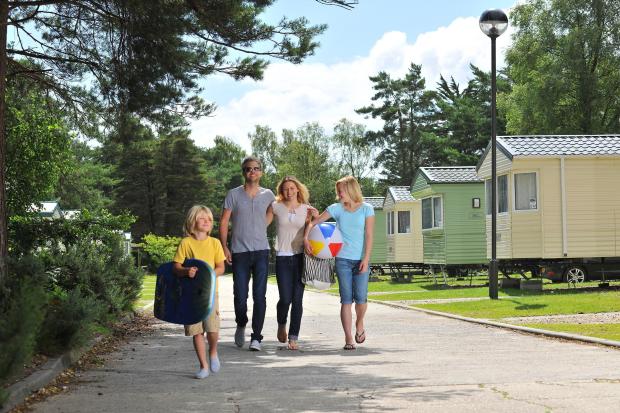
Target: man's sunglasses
[(249, 169)]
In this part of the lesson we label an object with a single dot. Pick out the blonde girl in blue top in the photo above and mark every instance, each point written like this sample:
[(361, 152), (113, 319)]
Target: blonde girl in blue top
[(356, 221)]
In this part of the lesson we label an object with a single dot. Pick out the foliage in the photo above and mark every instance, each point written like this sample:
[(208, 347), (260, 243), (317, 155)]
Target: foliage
[(21, 315), (159, 249), (38, 146), (87, 183), (407, 140), (68, 317), (465, 116), (354, 155), (564, 66)]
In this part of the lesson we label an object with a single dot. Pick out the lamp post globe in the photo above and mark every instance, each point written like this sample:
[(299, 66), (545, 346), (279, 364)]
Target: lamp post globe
[(493, 23)]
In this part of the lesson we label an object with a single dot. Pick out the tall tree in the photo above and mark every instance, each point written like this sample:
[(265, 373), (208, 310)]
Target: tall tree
[(145, 57), (465, 116), (407, 140), (565, 67), (354, 155)]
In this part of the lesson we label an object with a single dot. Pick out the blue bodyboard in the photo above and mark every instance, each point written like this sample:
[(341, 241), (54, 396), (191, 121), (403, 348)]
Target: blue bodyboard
[(184, 300)]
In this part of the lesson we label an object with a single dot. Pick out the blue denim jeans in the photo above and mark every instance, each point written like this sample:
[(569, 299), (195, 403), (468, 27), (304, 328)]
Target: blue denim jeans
[(288, 273), (244, 265), (352, 284)]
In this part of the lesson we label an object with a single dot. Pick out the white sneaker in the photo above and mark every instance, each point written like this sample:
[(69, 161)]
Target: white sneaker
[(214, 364), (202, 373), (255, 345)]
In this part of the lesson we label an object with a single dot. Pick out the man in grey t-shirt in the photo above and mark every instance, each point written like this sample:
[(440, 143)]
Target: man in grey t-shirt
[(247, 206)]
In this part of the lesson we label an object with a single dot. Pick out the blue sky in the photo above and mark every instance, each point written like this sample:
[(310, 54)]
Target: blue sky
[(441, 35)]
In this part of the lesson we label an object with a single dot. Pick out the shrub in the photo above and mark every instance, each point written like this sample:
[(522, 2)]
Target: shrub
[(21, 314), (159, 249), (67, 321)]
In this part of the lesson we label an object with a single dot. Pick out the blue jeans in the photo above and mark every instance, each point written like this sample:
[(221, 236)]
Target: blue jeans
[(244, 265), (352, 284), (288, 273)]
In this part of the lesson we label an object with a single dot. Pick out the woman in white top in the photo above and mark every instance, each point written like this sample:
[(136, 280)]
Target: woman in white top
[(292, 212)]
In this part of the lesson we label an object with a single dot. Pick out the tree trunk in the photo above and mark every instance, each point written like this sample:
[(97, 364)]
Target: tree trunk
[(4, 249)]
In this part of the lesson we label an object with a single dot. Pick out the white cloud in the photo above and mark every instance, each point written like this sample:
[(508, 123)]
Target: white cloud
[(291, 95)]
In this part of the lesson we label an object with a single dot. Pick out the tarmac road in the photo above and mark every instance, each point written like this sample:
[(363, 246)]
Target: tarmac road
[(410, 362)]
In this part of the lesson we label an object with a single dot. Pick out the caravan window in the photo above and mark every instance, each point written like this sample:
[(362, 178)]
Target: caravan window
[(432, 213), (525, 191), (502, 194), (390, 222), (404, 222)]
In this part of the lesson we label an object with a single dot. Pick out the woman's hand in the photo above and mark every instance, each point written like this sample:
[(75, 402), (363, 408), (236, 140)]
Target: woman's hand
[(312, 212), (364, 265)]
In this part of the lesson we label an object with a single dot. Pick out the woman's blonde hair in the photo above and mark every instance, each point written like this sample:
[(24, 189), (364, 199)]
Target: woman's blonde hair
[(192, 215), (351, 187), (302, 195)]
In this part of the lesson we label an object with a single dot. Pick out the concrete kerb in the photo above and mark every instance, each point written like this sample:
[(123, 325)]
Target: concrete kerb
[(46, 373), (529, 330)]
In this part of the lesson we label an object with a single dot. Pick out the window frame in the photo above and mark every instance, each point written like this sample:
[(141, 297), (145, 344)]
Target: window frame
[(389, 222), (514, 192), (487, 196), (432, 198), (398, 223)]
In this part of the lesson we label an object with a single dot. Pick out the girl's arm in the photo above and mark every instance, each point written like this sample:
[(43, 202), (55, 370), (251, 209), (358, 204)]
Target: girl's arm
[(181, 271), (219, 268), (315, 221), (368, 232)]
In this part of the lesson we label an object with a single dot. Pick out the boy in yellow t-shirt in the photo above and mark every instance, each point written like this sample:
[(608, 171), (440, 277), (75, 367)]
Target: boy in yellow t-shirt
[(198, 244)]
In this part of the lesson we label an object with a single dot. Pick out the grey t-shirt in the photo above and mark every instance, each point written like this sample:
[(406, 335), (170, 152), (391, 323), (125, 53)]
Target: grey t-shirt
[(248, 216)]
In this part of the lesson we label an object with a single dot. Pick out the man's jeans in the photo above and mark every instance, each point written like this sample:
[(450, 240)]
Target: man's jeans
[(244, 265), (288, 273)]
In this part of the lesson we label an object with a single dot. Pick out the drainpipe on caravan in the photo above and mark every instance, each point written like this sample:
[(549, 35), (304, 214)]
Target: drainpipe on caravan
[(563, 193)]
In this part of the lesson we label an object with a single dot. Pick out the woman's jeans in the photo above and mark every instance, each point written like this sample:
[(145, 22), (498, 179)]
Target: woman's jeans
[(244, 264), (353, 285), (288, 273)]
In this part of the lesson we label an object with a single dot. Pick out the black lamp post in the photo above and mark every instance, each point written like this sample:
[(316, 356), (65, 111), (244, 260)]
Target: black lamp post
[(493, 23)]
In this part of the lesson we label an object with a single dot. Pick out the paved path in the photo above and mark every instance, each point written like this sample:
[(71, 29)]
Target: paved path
[(411, 362)]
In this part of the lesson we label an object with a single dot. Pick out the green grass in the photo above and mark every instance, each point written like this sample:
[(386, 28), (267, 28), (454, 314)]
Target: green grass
[(606, 331), (547, 303), (148, 291)]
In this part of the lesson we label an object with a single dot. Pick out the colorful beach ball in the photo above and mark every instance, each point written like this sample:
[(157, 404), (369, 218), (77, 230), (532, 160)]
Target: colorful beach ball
[(325, 240)]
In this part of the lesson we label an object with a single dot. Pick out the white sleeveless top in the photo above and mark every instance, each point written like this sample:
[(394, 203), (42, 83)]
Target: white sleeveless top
[(290, 228)]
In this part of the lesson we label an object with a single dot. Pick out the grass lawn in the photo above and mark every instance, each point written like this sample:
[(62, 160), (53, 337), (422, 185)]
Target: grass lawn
[(147, 295), (548, 303), (606, 331)]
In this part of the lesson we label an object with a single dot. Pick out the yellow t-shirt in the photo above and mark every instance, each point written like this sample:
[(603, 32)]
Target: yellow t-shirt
[(208, 250)]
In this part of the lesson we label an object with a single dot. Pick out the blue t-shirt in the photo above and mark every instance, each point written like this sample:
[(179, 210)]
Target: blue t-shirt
[(352, 226)]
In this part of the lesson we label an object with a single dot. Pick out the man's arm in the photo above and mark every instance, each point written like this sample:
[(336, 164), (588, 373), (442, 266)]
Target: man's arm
[(224, 233)]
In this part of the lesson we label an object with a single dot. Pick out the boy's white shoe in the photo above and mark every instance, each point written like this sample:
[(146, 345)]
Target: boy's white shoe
[(202, 373), (255, 345)]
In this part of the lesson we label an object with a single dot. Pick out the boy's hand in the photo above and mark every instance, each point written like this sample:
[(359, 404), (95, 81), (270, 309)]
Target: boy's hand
[(191, 272)]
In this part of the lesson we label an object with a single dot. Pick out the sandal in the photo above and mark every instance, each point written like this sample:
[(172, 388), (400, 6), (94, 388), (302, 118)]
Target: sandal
[(360, 337), (349, 347), (292, 345)]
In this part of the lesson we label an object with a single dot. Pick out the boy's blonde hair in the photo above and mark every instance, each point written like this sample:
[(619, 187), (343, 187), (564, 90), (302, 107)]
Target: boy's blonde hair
[(351, 187), (190, 219), (302, 195)]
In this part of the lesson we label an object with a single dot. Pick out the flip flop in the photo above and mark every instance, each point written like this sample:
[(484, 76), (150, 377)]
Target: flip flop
[(349, 347), (360, 337)]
